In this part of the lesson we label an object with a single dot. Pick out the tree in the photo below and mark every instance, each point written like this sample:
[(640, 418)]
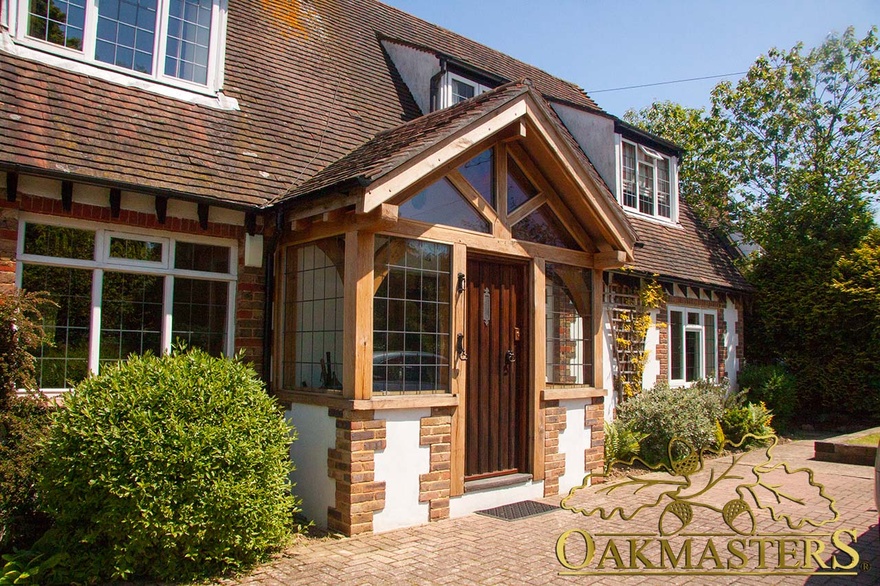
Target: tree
[(704, 182), (789, 156)]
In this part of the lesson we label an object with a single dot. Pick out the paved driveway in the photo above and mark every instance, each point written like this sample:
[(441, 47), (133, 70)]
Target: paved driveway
[(483, 550)]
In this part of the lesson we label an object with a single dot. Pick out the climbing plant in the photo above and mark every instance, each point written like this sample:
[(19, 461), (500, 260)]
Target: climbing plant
[(630, 312)]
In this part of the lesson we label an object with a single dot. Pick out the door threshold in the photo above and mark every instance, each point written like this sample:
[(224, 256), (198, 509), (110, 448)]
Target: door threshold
[(496, 482)]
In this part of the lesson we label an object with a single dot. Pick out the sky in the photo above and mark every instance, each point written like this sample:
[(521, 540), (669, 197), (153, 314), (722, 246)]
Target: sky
[(605, 44)]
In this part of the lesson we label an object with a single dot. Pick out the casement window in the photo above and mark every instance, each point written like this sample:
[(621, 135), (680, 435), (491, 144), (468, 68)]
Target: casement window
[(569, 325), (314, 307), (171, 41), (693, 345), (119, 293), (455, 89), (647, 184), (411, 316)]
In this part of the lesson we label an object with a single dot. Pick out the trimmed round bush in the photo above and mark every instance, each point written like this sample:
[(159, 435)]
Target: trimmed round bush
[(172, 468)]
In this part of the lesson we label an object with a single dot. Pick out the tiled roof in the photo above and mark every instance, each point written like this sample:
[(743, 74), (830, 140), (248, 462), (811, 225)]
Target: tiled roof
[(687, 251), (388, 149), (311, 79)]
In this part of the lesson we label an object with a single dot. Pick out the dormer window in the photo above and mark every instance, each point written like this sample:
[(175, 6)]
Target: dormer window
[(455, 88), (647, 184), (170, 41)]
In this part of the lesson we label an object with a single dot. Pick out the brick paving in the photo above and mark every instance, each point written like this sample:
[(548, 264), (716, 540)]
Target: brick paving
[(481, 550)]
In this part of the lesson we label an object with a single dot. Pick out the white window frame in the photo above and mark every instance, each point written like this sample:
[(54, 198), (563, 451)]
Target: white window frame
[(446, 88), (15, 17), (673, 180), (103, 233), (686, 327)]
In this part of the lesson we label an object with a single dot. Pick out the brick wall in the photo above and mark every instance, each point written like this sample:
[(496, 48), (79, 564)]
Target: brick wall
[(554, 461), (352, 465), (435, 486)]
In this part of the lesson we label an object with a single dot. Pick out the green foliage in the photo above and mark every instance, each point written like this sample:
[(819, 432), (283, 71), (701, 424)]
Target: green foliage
[(703, 179), (172, 468), (24, 420), (753, 418), (30, 567), (664, 413), (796, 145), (772, 385), (621, 443), (20, 331), (24, 425)]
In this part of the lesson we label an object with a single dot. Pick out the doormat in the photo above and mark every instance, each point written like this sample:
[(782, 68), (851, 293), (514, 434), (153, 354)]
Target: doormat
[(519, 510)]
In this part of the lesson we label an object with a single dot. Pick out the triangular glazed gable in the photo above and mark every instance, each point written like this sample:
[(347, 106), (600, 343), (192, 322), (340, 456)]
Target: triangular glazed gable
[(574, 210)]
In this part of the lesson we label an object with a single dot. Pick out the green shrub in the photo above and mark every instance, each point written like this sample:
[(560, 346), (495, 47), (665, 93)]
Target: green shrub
[(664, 413), (753, 418), (171, 468), (24, 420), (774, 386), (24, 425), (621, 443)]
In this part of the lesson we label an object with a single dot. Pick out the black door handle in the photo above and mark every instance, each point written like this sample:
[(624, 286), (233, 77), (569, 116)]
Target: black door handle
[(510, 356)]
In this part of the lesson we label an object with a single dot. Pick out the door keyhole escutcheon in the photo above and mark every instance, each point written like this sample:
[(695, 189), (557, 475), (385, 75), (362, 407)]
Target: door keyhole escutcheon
[(510, 357)]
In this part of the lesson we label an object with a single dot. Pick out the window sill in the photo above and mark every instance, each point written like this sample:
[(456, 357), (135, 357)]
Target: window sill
[(205, 97), (657, 219), (334, 401), (566, 393)]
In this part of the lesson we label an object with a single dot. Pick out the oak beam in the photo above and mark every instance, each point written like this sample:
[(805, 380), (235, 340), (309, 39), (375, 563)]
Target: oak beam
[(357, 337), (612, 259), (11, 186), (67, 195), (115, 202), (161, 208)]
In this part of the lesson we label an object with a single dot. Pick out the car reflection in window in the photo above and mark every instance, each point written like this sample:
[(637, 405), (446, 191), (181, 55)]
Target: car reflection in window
[(409, 371)]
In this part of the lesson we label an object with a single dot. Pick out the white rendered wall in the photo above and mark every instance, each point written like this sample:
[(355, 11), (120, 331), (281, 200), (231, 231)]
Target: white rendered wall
[(399, 466), (574, 441), (416, 68), (652, 338), (595, 135), (731, 342), (607, 366), (316, 433), (471, 502)]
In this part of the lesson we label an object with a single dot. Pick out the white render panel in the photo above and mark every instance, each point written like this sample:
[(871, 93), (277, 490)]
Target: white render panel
[(416, 68), (595, 135), (399, 466), (471, 502), (652, 366), (316, 433), (574, 441), (607, 367), (731, 342)]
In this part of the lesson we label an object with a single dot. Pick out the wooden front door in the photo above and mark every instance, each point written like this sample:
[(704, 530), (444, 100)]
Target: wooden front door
[(497, 400)]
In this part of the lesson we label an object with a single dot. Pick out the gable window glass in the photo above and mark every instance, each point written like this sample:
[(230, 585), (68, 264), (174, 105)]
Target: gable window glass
[(693, 343), (127, 286), (646, 181), (163, 39)]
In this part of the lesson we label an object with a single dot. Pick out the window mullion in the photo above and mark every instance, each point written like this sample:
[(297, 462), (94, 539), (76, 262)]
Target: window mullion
[(95, 333), (161, 40), (90, 30), (167, 308)]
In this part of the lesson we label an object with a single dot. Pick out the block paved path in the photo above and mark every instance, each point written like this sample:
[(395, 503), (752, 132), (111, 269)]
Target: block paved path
[(481, 550)]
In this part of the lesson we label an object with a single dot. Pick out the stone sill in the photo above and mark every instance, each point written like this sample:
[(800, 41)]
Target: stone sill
[(374, 404), (566, 393)]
